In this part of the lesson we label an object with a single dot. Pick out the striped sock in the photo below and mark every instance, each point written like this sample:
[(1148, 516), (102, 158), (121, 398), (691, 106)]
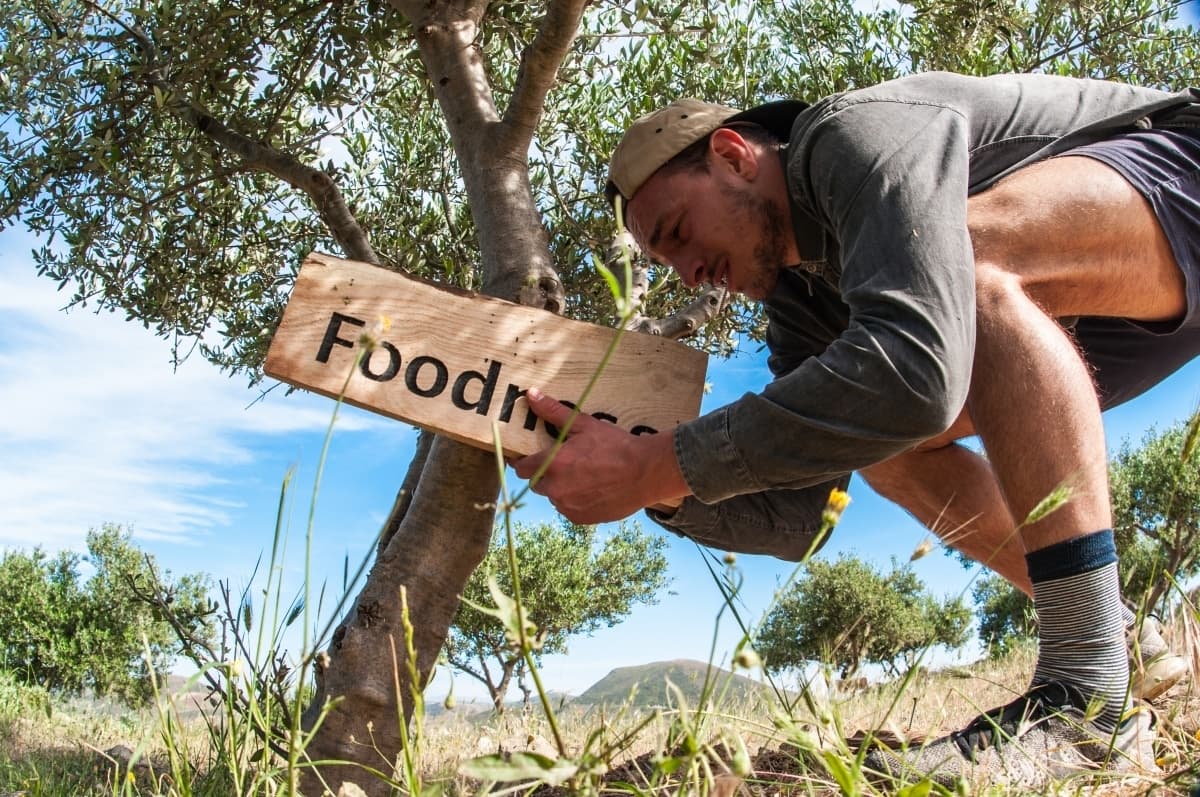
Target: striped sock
[(1081, 621)]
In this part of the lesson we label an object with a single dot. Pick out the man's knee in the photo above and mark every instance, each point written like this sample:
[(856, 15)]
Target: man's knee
[(903, 474), (888, 478), (997, 289), (899, 476)]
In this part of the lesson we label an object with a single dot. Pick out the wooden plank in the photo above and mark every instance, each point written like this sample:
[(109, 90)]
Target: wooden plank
[(454, 361)]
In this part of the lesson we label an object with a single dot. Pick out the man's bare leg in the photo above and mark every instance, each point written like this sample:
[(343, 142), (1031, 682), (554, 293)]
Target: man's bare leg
[(953, 492), (1065, 237)]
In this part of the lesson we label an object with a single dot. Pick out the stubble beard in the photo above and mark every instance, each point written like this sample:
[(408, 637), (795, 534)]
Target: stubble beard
[(770, 253)]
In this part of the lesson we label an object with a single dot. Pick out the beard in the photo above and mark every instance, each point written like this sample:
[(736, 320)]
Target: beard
[(770, 252)]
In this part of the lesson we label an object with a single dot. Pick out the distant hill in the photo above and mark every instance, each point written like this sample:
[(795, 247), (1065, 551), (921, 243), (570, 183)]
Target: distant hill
[(651, 683)]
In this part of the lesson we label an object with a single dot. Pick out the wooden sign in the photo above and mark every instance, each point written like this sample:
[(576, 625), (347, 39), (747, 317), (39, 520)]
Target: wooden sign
[(455, 362)]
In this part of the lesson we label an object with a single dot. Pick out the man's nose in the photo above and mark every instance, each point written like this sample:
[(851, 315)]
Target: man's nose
[(691, 272)]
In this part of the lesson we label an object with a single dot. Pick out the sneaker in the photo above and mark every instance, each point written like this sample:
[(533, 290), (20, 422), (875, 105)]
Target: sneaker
[(1038, 738), (1153, 666)]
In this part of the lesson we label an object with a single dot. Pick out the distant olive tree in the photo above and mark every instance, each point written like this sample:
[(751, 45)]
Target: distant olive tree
[(1005, 614), (64, 631), (572, 584), (1156, 512), (846, 613)]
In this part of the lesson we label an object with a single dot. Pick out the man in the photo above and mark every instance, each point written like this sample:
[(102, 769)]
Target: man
[(938, 256)]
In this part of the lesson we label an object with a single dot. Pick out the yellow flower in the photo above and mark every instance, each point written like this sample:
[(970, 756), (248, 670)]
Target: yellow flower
[(747, 659), (838, 500), (370, 338), (837, 503)]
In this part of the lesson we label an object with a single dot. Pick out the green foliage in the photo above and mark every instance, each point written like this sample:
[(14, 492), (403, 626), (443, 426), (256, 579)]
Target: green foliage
[(17, 700), (1006, 615), (110, 147), (572, 583), (845, 613), (65, 632), (103, 150), (1156, 513)]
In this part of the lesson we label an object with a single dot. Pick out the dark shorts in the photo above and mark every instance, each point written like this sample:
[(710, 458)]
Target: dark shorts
[(1131, 357)]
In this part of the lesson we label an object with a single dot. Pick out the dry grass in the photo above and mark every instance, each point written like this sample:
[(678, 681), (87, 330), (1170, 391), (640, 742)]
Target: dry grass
[(929, 705), (61, 752)]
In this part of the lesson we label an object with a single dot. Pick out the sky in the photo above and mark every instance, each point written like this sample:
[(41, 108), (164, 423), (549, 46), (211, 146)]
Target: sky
[(98, 427)]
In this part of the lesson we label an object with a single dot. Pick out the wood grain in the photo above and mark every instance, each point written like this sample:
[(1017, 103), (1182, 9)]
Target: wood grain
[(457, 362)]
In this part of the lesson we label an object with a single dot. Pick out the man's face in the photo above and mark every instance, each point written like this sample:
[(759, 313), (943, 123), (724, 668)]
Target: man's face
[(711, 227)]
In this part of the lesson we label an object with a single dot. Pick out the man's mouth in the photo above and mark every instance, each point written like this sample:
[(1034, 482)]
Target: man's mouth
[(721, 277)]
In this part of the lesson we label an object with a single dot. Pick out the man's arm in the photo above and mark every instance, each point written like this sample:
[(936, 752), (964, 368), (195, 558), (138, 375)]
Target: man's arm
[(888, 181), (785, 524), (629, 472)]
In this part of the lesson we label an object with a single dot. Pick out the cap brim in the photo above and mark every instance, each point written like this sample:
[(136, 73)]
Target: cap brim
[(777, 117)]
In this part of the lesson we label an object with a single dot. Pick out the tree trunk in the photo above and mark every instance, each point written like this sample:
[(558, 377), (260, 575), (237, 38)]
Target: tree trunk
[(448, 517), (502, 687), (441, 540)]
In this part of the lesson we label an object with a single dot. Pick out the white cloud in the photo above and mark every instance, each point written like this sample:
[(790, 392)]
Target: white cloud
[(96, 427)]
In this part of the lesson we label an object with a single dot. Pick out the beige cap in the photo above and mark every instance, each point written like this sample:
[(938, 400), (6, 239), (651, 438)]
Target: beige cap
[(657, 137)]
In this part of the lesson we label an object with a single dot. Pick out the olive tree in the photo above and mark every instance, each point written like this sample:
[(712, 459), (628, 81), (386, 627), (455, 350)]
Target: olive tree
[(1156, 512), (70, 631), (846, 613), (572, 582)]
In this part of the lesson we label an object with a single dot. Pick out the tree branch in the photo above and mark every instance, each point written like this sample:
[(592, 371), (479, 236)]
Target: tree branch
[(1087, 41), (460, 664), (690, 319), (515, 248), (539, 67), (319, 186)]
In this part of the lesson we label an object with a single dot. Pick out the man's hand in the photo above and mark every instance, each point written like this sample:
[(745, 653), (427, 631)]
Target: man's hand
[(602, 472)]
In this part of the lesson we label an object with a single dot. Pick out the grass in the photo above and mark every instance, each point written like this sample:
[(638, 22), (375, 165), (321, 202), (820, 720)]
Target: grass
[(244, 739), (55, 746)]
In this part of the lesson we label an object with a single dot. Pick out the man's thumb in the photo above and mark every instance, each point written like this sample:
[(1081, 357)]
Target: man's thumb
[(546, 408)]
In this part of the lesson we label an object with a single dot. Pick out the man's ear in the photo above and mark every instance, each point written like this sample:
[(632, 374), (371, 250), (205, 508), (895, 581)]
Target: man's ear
[(728, 148)]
